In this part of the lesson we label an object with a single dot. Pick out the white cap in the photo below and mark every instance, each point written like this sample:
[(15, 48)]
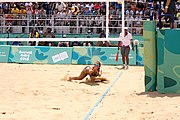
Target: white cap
[(125, 28), (64, 36)]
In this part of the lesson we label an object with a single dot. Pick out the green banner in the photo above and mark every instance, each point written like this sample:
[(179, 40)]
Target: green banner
[(106, 55), (40, 54), (4, 53)]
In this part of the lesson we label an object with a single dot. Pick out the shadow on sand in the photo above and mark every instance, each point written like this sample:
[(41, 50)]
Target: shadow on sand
[(156, 94), (94, 83)]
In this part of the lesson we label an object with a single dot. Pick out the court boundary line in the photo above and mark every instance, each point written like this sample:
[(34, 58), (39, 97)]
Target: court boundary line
[(103, 95)]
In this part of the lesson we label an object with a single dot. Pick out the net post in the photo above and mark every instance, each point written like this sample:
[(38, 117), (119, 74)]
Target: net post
[(123, 19), (107, 19)]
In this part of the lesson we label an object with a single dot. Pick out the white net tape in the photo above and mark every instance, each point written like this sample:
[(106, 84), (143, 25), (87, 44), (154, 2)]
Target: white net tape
[(59, 0), (59, 39)]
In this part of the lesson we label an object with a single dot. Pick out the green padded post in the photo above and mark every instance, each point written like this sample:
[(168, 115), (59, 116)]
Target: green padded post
[(149, 35), (160, 60), (172, 61)]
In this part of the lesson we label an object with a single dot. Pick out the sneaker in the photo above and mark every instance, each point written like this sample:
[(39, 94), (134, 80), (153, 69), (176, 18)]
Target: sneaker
[(127, 67), (123, 67)]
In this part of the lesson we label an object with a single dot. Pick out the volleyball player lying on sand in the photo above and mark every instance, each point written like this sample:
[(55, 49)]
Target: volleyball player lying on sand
[(94, 73)]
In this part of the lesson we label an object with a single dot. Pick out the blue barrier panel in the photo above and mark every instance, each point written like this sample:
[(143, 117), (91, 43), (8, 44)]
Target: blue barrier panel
[(106, 55), (4, 53), (40, 54)]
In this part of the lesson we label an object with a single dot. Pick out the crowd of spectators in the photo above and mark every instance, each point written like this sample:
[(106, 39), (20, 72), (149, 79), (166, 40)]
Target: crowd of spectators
[(88, 13)]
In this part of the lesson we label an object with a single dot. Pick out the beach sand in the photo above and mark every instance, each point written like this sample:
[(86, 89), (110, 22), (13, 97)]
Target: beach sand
[(40, 92)]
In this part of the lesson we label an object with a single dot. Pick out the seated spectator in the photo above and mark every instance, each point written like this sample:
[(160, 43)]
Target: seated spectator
[(76, 43), (60, 6), (103, 43), (14, 10), (34, 34), (87, 11), (75, 10), (103, 35), (100, 43), (178, 15), (16, 43), (63, 43), (88, 43), (48, 34)]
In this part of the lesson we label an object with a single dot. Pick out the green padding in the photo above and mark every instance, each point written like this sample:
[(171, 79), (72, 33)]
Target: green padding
[(149, 34), (4, 53), (168, 62), (50, 55), (172, 61), (160, 60), (140, 56), (106, 55)]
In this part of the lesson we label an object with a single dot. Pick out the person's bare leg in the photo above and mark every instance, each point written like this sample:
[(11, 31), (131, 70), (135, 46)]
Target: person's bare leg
[(80, 77), (171, 25), (123, 60), (101, 79), (127, 60), (92, 78)]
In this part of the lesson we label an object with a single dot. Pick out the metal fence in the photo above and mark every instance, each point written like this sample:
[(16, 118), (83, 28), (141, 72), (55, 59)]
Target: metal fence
[(77, 24)]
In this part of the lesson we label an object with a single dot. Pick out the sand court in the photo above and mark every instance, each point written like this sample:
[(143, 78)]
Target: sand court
[(36, 92)]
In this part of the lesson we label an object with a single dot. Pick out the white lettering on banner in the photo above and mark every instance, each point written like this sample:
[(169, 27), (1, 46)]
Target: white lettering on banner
[(24, 55), (63, 55), (60, 56), (2, 54), (112, 56), (56, 58)]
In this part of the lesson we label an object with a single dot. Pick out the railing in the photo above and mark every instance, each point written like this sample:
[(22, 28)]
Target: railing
[(71, 24)]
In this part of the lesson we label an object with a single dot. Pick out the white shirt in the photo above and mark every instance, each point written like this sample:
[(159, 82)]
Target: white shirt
[(127, 39)]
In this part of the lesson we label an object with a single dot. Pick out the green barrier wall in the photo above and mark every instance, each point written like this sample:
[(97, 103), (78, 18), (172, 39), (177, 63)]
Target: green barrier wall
[(168, 61), (149, 33), (64, 55), (107, 55), (4, 53), (50, 55)]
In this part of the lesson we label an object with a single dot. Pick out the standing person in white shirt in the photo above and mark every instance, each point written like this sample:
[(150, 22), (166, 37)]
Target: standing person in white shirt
[(125, 47)]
